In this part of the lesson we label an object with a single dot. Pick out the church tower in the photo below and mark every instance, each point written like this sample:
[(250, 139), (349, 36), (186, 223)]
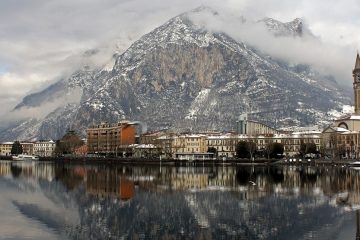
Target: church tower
[(356, 75)]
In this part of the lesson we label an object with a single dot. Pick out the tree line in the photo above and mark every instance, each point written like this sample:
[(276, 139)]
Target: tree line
[(274, 150)]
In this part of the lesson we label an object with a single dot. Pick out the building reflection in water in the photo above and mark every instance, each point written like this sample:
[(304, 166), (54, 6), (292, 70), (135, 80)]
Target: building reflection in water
[(202, 202)]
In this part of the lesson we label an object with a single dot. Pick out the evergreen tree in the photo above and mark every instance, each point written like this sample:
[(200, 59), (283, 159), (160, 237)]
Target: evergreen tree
[(16, 148)]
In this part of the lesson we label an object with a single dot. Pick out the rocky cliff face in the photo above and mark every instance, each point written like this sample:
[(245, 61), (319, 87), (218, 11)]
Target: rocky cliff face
[(183, 77)]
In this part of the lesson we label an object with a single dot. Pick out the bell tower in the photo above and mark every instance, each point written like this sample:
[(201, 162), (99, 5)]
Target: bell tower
[(356, 84)]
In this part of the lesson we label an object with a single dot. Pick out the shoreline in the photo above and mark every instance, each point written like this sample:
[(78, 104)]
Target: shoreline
[(176, 162)]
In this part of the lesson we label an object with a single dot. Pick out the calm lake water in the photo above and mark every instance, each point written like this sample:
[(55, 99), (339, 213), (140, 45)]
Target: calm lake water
[(50, 201)]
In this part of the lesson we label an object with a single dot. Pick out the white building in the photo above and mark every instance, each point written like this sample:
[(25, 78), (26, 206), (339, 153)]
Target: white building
[(44, 148)]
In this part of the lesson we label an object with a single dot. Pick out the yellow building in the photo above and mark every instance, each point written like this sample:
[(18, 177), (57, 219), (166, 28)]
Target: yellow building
[(225, 145), (184, 145), (5, 148), (27, 147)]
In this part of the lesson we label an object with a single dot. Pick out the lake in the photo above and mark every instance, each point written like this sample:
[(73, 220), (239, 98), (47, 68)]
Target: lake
[(79, 201)]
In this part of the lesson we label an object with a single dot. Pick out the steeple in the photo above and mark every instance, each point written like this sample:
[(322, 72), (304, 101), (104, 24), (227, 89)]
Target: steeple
[(356, 84), (357, 62)]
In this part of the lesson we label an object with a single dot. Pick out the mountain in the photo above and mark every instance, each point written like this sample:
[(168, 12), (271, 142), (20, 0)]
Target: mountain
[(294, 28), (182, 76)]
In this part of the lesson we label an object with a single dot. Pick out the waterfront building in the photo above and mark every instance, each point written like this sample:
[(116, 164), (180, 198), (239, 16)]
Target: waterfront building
[(144, 150), (195, 146), (44, 148), (111, 139), (27, 147), (188, 146), (82, 150), (193, 143), (352, 122), (5, 148), (343, 138), (341, 142), (224, 144)]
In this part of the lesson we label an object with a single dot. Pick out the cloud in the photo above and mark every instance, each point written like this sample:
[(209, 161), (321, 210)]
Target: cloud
[(325, 57), (43, 40), (42, 111), (48, 38)]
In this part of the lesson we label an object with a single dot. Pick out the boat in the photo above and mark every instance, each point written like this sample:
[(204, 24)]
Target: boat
[(24, 157), (355, 164)]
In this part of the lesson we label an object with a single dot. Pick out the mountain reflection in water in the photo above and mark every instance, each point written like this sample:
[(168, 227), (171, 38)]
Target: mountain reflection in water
[(152, 202)]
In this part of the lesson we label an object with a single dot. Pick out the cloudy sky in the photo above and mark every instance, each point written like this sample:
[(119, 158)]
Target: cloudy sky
[(41, 40)]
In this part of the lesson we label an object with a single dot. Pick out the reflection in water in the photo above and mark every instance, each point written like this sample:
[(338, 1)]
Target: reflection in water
[(101, 202)]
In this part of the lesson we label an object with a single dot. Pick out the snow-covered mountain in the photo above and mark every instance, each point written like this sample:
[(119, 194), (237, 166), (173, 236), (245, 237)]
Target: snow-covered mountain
[(185, 77)]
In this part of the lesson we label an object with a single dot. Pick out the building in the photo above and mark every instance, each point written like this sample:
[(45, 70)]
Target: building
[(81, 151), (225, 144), (342, 140), (111, 139), (187, 146), (144, 150), (150, 137), (5, 148), (192, 147), (27, 147), (44, 148), (252, 128), (291, 141), (352, 122)]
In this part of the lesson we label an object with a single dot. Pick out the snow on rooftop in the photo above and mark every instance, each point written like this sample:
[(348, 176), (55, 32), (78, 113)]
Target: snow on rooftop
[(349, 132), (147, 146), (307, 132), (219, 137), (355, 117), (339, 129)]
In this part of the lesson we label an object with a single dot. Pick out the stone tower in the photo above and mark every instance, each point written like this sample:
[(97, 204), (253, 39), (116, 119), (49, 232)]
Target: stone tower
[(356, 75)]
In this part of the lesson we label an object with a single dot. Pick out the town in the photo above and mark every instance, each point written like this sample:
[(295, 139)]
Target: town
[(252, 139)]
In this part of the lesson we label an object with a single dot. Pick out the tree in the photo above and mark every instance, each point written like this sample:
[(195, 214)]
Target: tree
[(251, 147), (341, 150), (68, 143), (269, 149), (306, 148), (212, 150), (245, 149), (16, 148), (274, 150), (278, 150), (241, 149)]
